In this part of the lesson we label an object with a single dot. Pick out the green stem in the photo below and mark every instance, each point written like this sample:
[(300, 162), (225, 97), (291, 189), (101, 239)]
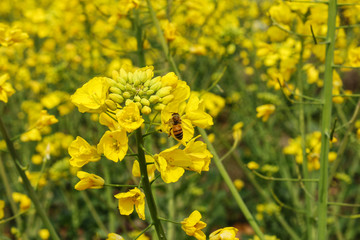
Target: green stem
[(232, 187), (326, 122), (9, 192), (171, 210), (109, 199), (147, 187), (162, 39), (305, 172), (30, 190)]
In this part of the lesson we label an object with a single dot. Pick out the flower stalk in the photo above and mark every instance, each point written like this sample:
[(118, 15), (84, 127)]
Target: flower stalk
[(30, 190), (147, 187), (326, 122), (232, 187)]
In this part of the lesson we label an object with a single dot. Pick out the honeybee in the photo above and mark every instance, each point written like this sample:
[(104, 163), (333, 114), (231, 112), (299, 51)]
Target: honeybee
[(176, 127)]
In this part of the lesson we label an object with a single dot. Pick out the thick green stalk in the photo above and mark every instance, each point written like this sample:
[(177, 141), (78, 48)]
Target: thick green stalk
[(326, 123), (232, 187), (147, 187), (30, 190), (305, 171)]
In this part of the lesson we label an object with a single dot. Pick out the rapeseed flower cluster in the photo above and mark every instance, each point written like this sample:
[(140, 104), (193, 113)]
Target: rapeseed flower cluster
[(122, 103)]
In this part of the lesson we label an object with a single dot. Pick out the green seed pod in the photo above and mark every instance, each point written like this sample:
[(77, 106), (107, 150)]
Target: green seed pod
[(126, 95), (167, 99), (146, 110), (154, 99), (111, 104), (145, 102), (137, 99), (116, 98), (115, 90), (164, 91)]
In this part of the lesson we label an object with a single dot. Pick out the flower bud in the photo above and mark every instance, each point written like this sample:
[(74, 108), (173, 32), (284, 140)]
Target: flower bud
[(146, 110), (155, 86), (145, 102), (159, 107), (130, 77), (137, 99), (115, 74), (167, 99), (150, 92), (123, 74), (155, 80), (164, 91), (154, 99), (139, 105), (112, 82), (128, 101), (111, 104), (126, 95), (116, 98), (115, 90), (120, 86), (122, 80), (128, 87), (147, 83)]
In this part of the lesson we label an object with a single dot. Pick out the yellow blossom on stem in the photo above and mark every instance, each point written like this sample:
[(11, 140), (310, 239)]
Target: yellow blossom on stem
[(110, 122), (82, 152), (150, 167), (2, 205), (11, 35), (24, 200), (44, 234), (239, 184), (45, 119), (128, 200), (253, 165), (265, 111), (199, 155), (354, 57), (6, 90), (31, 135), (227, 233), (92, 95), (237, 131), (193, 226), (89, 181), (129, 117), (169, 31), (114, 236), (171, 163), (114, 145)]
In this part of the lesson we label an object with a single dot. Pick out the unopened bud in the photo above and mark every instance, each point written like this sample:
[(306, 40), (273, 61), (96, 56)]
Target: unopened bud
[(115, 74), (130, 77), (164, 91), (167, 99), (128, 101), (111, 82), (154, 98), (115, 90), (155, 86), (139, 105), (116, 98), (126, 95), (145, 102), (111, 104), (159, 107), (146, 110), (137, 99)]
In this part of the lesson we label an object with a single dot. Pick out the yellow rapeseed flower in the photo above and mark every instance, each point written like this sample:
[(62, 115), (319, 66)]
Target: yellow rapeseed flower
[(171, 163), (265, 111), (11, 35), (227, 233), (92, 95), (44, 234), (193, 226), (114, 145), (24, 200), (6, 89), (128, 200), (253, 165), (45, 119), (129, 117), (114, 236), (239, 184), (150, 167), (354, 57), (199, 155), (82, 152), (89, 181)]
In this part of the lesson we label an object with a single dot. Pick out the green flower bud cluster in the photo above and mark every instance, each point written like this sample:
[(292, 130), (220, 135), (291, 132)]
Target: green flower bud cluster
[(139, 87)]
